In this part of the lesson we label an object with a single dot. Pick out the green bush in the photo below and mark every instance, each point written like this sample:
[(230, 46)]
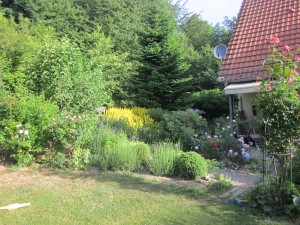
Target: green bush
[(218, 145), (223, 184), (143, 151), (81, 158), (268, 199), (182, 126), (164, 158), (23, 125), (213, 102), (157, 113), (124, 157), (191, 165), (112, 150), (150, 134)]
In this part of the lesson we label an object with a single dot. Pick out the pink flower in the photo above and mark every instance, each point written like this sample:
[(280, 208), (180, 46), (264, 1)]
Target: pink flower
[(53, 119), (72, 119), (290, 80), (274, 39), (286, 48), (269, 88), (297, 58), (73, 131)]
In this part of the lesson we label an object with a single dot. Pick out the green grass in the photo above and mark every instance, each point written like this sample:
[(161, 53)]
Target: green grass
[(61, 197)]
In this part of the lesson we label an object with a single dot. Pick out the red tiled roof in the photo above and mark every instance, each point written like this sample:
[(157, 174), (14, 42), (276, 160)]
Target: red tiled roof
[(249, 44)]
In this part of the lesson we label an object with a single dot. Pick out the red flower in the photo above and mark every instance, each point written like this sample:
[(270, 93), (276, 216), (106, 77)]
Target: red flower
[(274, 39), (269, 88), (286, 48), (216, 145)]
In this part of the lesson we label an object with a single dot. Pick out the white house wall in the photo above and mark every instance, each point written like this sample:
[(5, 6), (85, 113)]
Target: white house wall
[(245, 103)]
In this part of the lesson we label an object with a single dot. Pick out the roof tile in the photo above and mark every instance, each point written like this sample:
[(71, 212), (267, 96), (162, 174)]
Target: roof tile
[(248, 46)]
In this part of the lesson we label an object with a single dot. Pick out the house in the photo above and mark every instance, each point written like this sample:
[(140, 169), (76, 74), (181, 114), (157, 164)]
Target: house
[(249, 46)]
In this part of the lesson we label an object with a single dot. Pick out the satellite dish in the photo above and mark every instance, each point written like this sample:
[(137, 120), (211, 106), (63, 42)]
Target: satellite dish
[(220, 51)]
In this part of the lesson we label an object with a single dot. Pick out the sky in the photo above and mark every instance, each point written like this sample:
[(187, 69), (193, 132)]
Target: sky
[(214, 11)]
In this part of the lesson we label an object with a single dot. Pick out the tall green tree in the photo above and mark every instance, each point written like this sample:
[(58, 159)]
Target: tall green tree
[(161, 80), (198, 31), (222, 32)]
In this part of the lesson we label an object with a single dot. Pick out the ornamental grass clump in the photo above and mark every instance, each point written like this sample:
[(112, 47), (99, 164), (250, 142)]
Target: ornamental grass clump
[(113, 150), (163, 159)]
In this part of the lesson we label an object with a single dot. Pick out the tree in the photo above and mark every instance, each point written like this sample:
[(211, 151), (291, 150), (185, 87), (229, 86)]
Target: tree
[(161, 80), (198, 31), (221, 33)]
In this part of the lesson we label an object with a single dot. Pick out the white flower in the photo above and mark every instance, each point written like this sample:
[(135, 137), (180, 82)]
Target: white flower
[(196, 147), (26, 132), (21, 131), (18, 125)]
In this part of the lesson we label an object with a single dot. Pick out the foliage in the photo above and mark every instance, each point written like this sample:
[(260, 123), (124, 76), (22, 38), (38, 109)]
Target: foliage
[(216, 143), (182, 125), (67, 133), (65, 75), (157, 113), (143, 151), (191, 165), (24, 120), (266, 198), (114, 151), (278, 105), (198, 31), (221, 33), (213, 102), (81, 158), (161, 79), (164, 158), (224, 183), (135, 118)]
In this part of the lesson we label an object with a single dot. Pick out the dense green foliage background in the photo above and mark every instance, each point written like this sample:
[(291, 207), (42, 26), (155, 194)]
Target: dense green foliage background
[(118, 53)]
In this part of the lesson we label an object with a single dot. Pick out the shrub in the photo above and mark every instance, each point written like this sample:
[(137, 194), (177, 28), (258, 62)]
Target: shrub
[(217, 146), (23, 125), (124, 157), (143, 151), (150, 134), (164, 158), (135, 118), (223, 184), (157, 113), (191, 165), (213, 102), (81, 158), (66, 133), (112, 150), (182, 126), (266, 198)]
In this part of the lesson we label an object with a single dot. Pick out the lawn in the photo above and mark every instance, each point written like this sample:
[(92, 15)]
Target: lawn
[(62, 197)]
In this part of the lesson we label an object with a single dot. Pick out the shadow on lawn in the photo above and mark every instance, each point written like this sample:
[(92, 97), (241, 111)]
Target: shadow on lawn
[(219, 209)]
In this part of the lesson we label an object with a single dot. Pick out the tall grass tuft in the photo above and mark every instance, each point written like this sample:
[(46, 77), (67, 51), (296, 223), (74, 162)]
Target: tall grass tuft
[(164, 158), (114, 151)]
